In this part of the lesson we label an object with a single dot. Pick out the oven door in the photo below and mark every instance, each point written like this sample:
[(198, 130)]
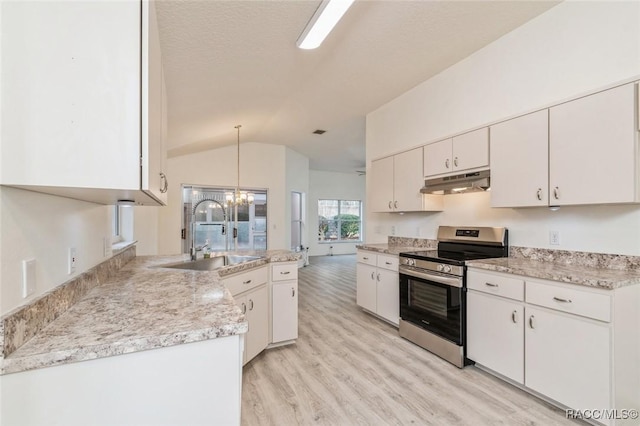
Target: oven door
[(433, 301)]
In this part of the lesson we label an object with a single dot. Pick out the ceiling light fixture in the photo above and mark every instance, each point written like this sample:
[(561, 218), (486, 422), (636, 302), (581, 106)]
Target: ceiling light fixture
[(238, 197), (322, 22)]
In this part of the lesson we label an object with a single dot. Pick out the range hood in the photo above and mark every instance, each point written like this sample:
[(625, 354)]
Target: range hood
[(458, 184)]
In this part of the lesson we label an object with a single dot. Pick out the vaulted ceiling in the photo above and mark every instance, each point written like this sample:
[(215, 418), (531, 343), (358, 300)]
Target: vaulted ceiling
[(236, 62)]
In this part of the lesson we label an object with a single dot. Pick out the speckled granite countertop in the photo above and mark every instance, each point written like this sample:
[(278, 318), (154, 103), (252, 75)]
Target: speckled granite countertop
[(143, 307), (387, 249), (605, 278)]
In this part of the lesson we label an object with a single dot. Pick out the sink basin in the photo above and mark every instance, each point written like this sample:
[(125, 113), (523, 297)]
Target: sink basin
[(211, 263)]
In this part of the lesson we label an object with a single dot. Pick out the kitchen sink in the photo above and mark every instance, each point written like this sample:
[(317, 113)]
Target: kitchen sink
[(212, 263)]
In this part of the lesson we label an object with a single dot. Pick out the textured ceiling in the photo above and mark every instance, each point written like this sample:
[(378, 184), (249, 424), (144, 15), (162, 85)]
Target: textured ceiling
[(236, 62)]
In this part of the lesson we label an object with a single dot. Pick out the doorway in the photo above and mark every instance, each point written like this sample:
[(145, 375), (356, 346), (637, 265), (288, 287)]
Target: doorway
[(208, 220)]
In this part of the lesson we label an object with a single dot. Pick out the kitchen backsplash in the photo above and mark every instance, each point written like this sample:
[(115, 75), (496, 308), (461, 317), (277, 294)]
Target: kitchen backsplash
[(20, 325), (412, 242)]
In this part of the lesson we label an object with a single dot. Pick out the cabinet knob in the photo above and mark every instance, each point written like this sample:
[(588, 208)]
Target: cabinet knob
[(531, 322), (455, 162), (446, 163), (514, 317), (539, 194), (165, 183), (556, 193)]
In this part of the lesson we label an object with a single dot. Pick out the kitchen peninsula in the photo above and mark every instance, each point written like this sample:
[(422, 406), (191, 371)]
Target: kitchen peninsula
[(157, 338)]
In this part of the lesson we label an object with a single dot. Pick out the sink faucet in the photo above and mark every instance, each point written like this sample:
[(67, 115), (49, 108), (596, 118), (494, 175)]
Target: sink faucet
[(195, 250)]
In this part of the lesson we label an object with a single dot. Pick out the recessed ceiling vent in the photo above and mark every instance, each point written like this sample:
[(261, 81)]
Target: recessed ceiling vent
[(319, 132)]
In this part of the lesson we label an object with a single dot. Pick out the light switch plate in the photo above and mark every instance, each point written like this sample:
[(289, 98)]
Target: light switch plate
[(28, 277), (73, 258)]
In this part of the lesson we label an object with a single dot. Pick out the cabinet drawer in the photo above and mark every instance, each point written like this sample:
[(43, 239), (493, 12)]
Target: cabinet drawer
[(367, 257), (574, 301), (246, 281), (284, 271), (504, 285), (387, 262)]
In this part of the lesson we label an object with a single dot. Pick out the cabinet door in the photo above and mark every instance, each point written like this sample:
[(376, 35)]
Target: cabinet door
[(258, 317), (284, 311), (437, 158), (152, 106), (568, 359), (495, 334), (520, 161), (471, 150), (366, 288), (407, 180), (592, 149), (380, 192), (388, 295), (74, 73)]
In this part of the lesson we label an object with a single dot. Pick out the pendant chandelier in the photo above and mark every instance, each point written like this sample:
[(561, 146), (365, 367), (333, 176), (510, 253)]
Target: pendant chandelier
[(237, 197)]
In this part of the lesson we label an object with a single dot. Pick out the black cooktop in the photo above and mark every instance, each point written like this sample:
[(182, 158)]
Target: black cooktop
[(457, 254)]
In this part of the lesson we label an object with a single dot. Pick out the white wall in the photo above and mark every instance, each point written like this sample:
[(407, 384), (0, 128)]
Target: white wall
[(261, 166), (331, 185), (43, 227), (574, 48)]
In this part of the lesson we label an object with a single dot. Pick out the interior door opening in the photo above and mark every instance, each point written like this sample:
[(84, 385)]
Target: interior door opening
[(208, 221)]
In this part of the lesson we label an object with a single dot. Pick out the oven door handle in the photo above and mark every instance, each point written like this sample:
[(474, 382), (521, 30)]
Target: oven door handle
[(439, 278)]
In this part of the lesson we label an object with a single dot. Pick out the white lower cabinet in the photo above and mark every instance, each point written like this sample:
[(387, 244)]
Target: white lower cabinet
[(249, 289), (576, 345), (254, 305), (377, 287), (284, 302), (568, 358), (495, 336)]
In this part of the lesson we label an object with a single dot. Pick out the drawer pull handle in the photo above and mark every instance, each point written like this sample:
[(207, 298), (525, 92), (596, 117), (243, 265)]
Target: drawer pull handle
[(531, 323), (285, 272), (558, 299), (246, 282), (514, 317), (491, 285), (365, 258), (387, 263)]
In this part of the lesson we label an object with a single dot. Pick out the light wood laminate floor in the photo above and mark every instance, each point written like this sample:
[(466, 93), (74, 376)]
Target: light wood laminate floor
[(349, 368)]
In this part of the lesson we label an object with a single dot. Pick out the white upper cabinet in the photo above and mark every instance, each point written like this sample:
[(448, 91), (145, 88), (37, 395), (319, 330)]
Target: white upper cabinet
[(396, 182), (593, 149), (468, 151), (520, 161), (72, 117)]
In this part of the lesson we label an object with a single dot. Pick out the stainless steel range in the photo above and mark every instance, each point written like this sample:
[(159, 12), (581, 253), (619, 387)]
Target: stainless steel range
[(433, 288)]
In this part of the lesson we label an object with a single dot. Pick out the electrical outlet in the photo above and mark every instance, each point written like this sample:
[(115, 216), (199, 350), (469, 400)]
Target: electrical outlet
[(554, 238), (28, 277), (73, 259), (393, 230)]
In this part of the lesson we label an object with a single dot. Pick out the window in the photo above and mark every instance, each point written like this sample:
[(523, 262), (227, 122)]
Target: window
[(339, 220), (296, 220)]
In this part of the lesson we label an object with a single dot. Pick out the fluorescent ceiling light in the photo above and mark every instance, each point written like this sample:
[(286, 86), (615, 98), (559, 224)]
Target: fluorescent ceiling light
[(326, 17)]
